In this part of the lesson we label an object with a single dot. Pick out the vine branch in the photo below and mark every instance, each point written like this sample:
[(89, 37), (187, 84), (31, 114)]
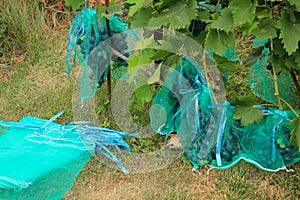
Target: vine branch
[(292, 109), (293, 75), (276, 89)]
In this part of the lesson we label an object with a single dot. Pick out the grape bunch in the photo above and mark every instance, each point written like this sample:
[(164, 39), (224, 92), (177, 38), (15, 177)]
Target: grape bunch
[(90, 41), (215, 80), (196, 27), (100, 49), (230, 146), (283, 145), (118, 43)]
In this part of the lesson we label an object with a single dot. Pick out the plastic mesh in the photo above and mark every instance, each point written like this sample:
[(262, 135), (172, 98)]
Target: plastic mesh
[(33, 167), (261, 80), (92, 46), (183, 106), (266, 145)]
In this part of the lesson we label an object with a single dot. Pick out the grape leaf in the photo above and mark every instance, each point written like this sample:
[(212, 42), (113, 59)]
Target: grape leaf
[(225, 21), (142, 95), (138, 4), (135, 62), (219, 40), (248, 27), (155, 78), (266, 29), (297, 59), (141, 18), (115, 9), (243, 101), (278, 48), (255, 54), (101, 9), (173, 60), (177, 15), (224, 65), (74, 4), (277, 62), (290, 33), (243, 11), (295, 3), (295, 133), (248, 115), (290, 61)]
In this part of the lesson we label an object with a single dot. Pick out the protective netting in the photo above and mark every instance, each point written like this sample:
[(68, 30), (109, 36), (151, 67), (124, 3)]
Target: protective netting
[(208, 132), (41, 159), (182, 105), (261, 79), (188, 103), (266, 145), (93, 46), (35, 167)]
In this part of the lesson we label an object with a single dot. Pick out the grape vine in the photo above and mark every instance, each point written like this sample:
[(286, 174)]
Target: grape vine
[(216, 25)]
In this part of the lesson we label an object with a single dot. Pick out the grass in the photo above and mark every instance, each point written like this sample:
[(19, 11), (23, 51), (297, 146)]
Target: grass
[(42, 89)]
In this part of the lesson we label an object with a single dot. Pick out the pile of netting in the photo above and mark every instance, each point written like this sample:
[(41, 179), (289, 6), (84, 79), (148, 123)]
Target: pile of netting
[(41, 159)]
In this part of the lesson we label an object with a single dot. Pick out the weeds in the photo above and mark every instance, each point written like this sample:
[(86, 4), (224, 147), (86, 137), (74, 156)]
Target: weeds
[(23, 29)]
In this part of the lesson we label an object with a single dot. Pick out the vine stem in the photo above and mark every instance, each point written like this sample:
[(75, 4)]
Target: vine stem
[(217, 5), (289, 106), (203, 59), (276, 89), (293, 75), (109, 69)]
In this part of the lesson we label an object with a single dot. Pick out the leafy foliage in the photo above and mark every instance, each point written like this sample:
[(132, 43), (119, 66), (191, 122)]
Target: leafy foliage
[(295, 133), (74, 4), (248, 115), (243, 11), (269, 21), (290, 33)]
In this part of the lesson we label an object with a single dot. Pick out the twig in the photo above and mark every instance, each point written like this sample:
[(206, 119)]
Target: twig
[(217, 5), (268, 104), (276, 89), (203, 59), (109, 69), (289, 106), (293, 75)]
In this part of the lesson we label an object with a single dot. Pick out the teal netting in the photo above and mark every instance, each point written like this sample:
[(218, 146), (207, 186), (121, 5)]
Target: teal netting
[(33, 166), (93, 46), (209, 134), (266, 145), (261, 80), (186, 105), (41, 159), (183, 105)]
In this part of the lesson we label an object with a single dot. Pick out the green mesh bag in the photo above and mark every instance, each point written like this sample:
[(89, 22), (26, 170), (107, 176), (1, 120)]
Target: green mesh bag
[(266, 145), (261, 80), (183, 106), (33, 166), (92, 45)]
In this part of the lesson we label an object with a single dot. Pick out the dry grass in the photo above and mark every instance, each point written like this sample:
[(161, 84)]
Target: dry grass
[(177, 181)]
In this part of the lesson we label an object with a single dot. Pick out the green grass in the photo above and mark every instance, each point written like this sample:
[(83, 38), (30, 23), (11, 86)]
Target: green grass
[(43, 89)]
